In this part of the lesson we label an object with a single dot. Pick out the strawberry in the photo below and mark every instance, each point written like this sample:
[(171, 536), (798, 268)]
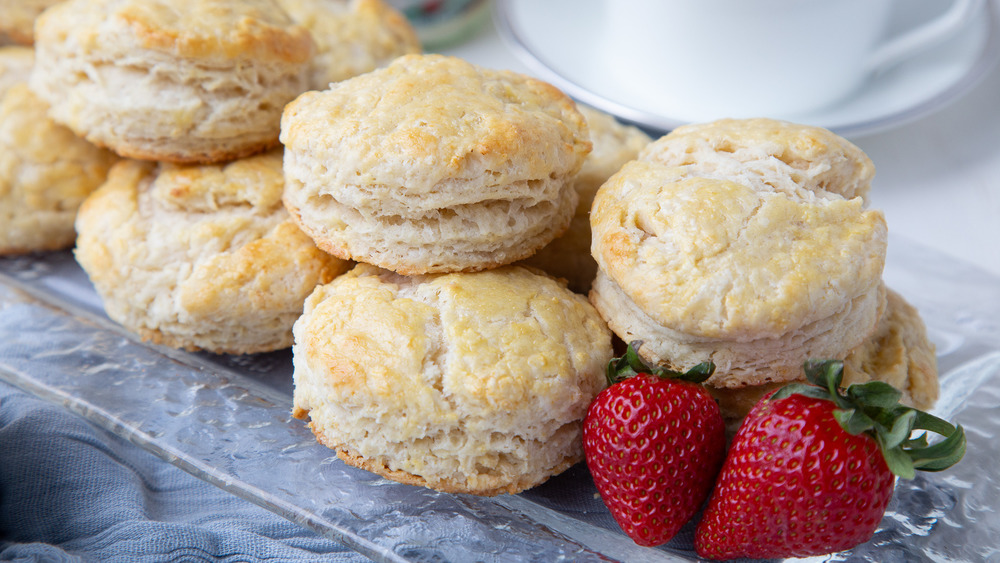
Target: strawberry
[(654, 442), (811, 469)]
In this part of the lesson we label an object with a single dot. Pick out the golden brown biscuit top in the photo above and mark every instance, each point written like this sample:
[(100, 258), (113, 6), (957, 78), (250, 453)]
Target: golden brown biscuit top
[(257, 182), (488, 347), (428, 118), (715, 258), (197, 29), (812, 158)]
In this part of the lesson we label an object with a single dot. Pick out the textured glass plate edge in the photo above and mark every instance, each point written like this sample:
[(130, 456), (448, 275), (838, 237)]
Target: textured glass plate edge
[(918, 273), (519, 534)]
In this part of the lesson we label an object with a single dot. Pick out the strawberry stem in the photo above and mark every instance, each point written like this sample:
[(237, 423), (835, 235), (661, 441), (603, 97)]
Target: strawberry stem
[(874, 408), (630, 364)]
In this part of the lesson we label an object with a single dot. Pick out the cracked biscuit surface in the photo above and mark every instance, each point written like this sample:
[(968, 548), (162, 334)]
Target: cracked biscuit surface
[(200, 257), (465, 382), (433, 165)]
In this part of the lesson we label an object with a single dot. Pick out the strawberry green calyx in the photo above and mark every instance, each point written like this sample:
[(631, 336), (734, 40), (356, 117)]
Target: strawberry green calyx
[(630, 364), (874, 408)]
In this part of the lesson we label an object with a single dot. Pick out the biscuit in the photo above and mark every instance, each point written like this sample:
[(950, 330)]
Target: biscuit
[(15, 65), (45, 173), (188, 81), (898, 353), (18, 20), (465, 383), (614, 144), (352, 36), (433, 164), (200, 257), (744, 266), (771, 155)]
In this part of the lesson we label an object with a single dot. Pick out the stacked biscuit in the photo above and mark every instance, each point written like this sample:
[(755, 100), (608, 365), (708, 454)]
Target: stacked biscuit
[(187, 241), (436, 361), (748, 243)]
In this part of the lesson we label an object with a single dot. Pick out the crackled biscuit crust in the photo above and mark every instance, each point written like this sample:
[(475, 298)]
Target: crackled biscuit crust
[(466, 382), (898, 353), (770, 155), (352, 36), (45, 173), (200, 257), (179, 80), (715, 258), (614, 144), (433, 164)]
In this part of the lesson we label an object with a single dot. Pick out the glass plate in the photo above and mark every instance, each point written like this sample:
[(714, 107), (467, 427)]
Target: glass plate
[(226, 419)]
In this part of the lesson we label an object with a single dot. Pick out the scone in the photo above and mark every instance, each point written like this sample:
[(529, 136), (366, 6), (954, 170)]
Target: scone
[(45, 173), (467, 382), (188, 81), (15, 65), (754, 269), (17, 18), (352, 36), (433, 165), (614, 144), (200, 257), (898, 353)]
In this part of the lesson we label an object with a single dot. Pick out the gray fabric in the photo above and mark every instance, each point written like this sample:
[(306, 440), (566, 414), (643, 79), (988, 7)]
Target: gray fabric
[(72, 492)]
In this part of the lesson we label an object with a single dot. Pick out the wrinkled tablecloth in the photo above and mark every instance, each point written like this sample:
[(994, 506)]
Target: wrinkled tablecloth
[(70, 491)]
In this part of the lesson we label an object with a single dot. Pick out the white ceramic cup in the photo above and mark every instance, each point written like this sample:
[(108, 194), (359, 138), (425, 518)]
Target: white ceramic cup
[(745, 58)]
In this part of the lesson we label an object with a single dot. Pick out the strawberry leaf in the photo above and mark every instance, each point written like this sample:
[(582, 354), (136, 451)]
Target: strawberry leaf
[(853, 421), (630, 364), (874, 408), (901, 429), (898, 461), (800, 389), (942, 455), (874, 393)]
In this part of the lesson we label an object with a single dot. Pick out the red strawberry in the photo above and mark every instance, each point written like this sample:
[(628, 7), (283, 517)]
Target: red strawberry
[(810, 471), (654, 443)]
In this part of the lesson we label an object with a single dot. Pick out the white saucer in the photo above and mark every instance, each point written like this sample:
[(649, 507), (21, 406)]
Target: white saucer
[(555, 46)]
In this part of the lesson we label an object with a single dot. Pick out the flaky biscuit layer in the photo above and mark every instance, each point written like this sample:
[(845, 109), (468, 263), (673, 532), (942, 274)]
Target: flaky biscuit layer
[(182, 81)]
